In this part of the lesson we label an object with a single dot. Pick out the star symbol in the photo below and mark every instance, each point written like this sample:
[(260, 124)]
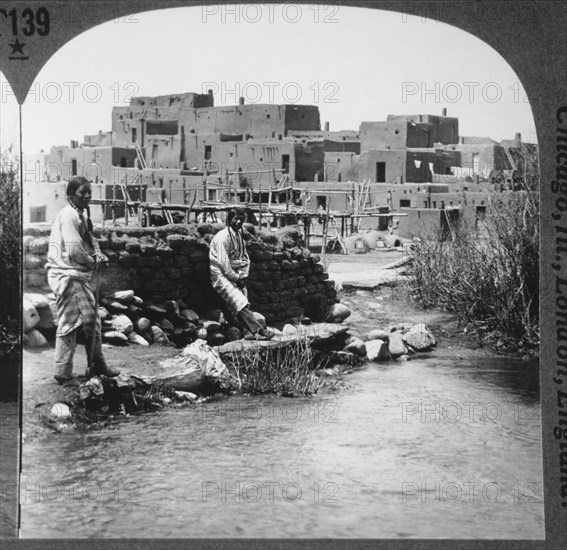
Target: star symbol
[(17, 47)]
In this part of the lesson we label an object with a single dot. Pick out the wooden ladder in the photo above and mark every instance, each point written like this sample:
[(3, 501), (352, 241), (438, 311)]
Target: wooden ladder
[(330, 222), (140, 156)]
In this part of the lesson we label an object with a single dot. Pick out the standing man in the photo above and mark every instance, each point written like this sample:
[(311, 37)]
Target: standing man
[(72, 258), (230, 265)]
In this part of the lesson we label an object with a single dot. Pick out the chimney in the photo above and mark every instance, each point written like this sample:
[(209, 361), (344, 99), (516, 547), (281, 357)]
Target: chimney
[(241, 100), (326, 126), (444, 111), (518, 138)]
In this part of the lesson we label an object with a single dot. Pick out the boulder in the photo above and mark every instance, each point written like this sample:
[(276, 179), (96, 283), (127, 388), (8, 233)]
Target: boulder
[(377, 334), (34, 339), (135, 338), (396, 344), (60, 411), (115, 306), (186, 396), (419, 337), (142, 324), (37, 300), (189, 315), (172, 307), (196, 369), (166, 325), (233, 333), (217, 339), (30, 315), (211, 326), (114, 337), (337, 313), (377, 350), (122, 323), (123, 296), (356, 346), (212, 315), (159, 336), (103, 313), (137, 301)]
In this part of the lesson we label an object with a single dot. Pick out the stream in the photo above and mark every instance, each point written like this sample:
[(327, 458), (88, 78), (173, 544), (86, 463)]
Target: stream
[(429, 448)]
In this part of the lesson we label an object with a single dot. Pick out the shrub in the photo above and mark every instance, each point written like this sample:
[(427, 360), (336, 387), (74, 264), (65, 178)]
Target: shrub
[(10, 239), (488, 275)]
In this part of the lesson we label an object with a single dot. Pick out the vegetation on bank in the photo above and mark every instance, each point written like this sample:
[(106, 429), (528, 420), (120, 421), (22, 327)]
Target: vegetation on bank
[(489, 274), (10, 238), (287, 371)]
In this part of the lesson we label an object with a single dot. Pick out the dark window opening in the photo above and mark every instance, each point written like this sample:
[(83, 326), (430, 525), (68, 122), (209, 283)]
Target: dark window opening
[(322, 202), (134, 135), (73, 167), (208, 152), (285, 163), (405, 203), (380, 172)]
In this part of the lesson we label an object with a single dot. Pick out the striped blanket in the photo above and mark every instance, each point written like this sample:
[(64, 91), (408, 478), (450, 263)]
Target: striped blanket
[(75, 304)]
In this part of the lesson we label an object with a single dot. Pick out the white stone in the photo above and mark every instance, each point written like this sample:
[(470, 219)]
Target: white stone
[(135, 338), (419, 337), (30, 315), (34, 339), (122, 323), (60, 411), (376, 350)]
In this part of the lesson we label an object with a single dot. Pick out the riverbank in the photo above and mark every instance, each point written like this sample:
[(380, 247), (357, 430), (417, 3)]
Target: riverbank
[(386, 304)]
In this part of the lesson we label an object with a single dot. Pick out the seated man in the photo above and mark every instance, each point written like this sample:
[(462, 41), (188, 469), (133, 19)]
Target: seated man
[(230, 265)]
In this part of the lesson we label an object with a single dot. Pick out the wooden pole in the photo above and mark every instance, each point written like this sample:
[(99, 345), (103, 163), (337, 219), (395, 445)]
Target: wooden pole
[(125, 205), (114, 204), (260, 204), (325, 231)]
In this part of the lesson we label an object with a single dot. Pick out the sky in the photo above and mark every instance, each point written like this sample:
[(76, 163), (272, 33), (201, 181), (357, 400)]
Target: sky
[(355, 64)]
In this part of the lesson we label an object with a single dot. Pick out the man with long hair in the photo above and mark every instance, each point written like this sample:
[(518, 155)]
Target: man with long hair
[(230, 265), (73, 256)]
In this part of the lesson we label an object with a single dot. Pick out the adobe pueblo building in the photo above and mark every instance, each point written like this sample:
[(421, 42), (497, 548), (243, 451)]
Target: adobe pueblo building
[(169, 157)]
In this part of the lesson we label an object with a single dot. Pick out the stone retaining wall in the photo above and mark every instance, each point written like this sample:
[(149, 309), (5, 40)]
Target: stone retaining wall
[(172, 262)]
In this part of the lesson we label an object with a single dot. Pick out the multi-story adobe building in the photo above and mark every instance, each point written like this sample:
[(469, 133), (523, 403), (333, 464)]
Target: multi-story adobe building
[(170, 144)]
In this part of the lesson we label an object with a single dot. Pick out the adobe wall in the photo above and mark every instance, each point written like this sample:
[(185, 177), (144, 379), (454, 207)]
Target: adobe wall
[(171, 262)]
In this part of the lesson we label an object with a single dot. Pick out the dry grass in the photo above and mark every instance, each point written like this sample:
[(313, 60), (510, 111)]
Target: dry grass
[(284, 370), (489, 276)]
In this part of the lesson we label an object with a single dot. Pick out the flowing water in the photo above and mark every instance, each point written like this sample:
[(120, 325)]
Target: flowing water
[(426, 448)]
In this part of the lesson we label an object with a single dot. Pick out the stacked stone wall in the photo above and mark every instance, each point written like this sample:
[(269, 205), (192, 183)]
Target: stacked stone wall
[(286, 280)]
